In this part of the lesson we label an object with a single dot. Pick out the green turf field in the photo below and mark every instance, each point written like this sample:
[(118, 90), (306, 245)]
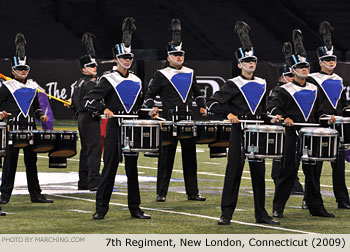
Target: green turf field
[(72, 213)]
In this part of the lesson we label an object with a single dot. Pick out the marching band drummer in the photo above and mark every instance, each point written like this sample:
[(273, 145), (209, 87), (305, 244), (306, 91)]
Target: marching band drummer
[(176, 84), (285, 76), (242, 97), (333, 100), (297, 101), (89, 127), (19, 97), (122, 92)]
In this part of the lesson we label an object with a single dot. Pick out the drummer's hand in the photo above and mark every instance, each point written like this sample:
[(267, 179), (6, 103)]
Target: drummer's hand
[(44, 118), (154, 112), (3, 115), (288, 122), (232, 118), (276, 119), (203, 111), (108, 113), (68, 105), (332, 120), (155, 116)]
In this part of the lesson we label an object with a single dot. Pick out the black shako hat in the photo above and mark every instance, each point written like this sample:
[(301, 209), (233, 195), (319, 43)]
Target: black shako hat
[(175, 45), (245, 52), (88, 60), (124, 48), (326, 51), (19, 61)]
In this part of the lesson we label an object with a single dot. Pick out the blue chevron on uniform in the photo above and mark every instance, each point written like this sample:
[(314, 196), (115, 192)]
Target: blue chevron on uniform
[(128, 91), (182, 82), (253, 92), (24, 97), (305, 100), (333, 89)]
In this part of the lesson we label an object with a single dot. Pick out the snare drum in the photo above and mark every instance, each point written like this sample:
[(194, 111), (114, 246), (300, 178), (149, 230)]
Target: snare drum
[(342, 125), (318, 144), (206, 132), (185, 129), (3, 139), (44, 141), (65, 144), (166, 132), (263, 141), (140, 136), (20, 138), (223, 134)]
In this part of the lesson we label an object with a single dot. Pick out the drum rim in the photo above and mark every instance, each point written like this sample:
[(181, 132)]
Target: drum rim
[(264, 128), (318, 131), (139, 122), (185, 123)]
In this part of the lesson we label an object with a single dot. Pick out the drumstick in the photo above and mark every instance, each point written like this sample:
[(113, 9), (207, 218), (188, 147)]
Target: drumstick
[(149, 109), (305, 124), (274, 117), (160, 118), (55, 98), (7, 114), (47, 108), (121, 116)]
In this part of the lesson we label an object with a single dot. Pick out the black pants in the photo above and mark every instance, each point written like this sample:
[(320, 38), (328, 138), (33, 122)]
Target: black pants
[(111, 160), (90, 154), (9, 172), (289, 171), (338, 175), (189, 164), (233, 175)]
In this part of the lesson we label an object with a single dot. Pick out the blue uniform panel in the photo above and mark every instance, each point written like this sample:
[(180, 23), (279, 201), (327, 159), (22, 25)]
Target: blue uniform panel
[(253, 93), (24, 97), (333, 89), (182, 82), (128, 91), (305, 100)]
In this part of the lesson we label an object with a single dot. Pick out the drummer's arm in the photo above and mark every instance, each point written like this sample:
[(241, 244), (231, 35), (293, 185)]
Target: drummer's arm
[(92, 101), (218, 103), (199, 98), (275, 106), (154, 88), (38, 112)]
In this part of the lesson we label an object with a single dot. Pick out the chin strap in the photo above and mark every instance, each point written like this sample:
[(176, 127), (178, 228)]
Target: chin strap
[(174, 61), (301, 76), (20, 75), (327, 67), (93, 74), (249, 71), (123, 64)]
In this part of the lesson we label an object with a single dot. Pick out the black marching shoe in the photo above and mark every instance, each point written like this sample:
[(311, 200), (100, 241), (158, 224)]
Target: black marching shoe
[(196, 197), (322, 212), (98, 216), (2, 213), (160, 198), (140, 215), (42, 199), (224, 221), (277, 214), (267, 220), (304, 205), (94, 189), (4, 201), (344, 205)]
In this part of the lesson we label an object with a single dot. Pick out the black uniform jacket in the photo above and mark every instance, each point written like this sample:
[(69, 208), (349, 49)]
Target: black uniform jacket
[(104, 90), (326, 104), (284, 104), (229, 99), (160, 85), (8, 103)]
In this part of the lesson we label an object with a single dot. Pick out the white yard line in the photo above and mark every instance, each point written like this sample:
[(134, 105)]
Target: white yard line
[(195, 215)]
